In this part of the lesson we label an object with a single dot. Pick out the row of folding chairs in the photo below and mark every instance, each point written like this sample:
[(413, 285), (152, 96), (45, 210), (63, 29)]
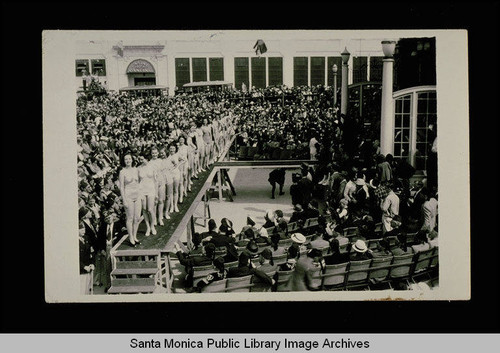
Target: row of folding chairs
[(377, 271), (238, 284)]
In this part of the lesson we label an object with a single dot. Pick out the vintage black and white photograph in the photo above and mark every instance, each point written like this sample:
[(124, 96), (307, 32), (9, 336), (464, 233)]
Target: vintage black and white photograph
[(256, 165)]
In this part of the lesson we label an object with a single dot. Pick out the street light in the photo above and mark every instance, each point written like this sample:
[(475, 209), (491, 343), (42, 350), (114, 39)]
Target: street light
[(345, 56), (334, 70)]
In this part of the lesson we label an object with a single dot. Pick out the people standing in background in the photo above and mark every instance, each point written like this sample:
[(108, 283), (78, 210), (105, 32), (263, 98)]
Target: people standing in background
[(390, 208)]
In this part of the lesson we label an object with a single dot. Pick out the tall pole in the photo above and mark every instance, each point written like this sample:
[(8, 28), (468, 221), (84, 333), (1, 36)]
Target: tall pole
[(387, 109), (334, 69), (345, 75)]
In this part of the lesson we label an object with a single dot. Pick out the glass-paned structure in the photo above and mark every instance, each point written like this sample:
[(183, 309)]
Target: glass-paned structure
[(402, 127), (199, 69), (360, 69), (259, 72), (426, 115), (300, 71), (241, 74), (216, 67), (317, 70), (275, 74), (182, 72)]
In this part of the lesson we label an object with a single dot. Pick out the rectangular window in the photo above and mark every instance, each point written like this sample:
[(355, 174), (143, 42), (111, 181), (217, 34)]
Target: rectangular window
[(199, 69), (317, 70), (300, 71), (426, 115), (181, 72), (402, 128), (360, 69), (241, 72), (99, 67), (376, 68), (80, 66), (216, 67), (275, 71), (259, 72), (337, 60)]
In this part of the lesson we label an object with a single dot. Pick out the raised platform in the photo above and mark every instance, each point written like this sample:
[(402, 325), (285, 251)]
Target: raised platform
[(153, 244)]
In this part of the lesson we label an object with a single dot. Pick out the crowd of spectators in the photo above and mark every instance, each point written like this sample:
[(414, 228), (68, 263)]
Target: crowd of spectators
[(351, 180)]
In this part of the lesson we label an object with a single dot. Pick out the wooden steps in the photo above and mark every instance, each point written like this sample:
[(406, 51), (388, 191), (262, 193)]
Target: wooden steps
[(135, 268), (132, 285)]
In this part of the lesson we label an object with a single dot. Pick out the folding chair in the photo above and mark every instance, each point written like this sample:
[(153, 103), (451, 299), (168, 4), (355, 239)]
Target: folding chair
[(422, 264), (400, 268), (373, 243), (280, 259), (350, 232), (282, 280), (231, 264), (200, 272), (379, 269), (285, 242), (220, 251), (358, 274), (334, 276), (317, 280), (262, 286), (239, 284), (215, 287)]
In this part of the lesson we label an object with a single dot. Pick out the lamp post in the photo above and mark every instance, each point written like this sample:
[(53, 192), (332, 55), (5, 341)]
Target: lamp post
[(345, 74), (334, 70), (387, 107)]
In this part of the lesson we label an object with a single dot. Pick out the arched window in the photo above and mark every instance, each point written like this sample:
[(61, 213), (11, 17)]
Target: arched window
[(415, 109)]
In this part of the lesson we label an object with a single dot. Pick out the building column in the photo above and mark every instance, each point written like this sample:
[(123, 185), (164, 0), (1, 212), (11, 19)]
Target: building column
[(387, 111)]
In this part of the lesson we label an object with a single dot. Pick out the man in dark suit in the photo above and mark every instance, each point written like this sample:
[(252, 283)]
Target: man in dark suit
[(297, 214), (245, 269), (277, 176), (190, 262), (212, 230), (222, 240), (312, 210), (305, 188)]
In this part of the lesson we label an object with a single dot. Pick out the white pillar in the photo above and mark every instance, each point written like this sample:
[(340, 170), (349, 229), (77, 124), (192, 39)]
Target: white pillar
[(387, 111), (335, 89), (344, 88)]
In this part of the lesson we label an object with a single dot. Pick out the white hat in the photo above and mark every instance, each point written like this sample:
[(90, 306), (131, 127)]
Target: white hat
[(270, 215), (360, 246), (298, 238), (263, 232)]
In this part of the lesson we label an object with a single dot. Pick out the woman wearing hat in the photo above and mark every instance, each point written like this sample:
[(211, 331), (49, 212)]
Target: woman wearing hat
[(131, 194), (359, 251)]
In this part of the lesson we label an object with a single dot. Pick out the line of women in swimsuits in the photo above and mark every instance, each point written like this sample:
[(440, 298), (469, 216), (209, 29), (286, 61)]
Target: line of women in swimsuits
[(154, 189)]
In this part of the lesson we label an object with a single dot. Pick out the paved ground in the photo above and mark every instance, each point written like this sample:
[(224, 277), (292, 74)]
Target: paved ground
[(253, 198)]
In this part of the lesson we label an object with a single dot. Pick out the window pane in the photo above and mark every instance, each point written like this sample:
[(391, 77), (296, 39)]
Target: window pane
[(80, 65), (216, 67), (317, 70), (360, 69), (199, 69), (300, 77), (397, 135), (275, 71), (422, 121), (99, 67), (181, 72), (398, 120), (421, 135), (376, 68), (259, 72), (432, 106), (241, 72), (399, 106), (405, 149), (406, 135), (337, 60), (406, 120), (397, 149)]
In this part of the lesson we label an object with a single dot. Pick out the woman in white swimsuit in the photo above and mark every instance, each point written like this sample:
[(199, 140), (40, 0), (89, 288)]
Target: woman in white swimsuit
[(183, 166), (207, 139), (173, 157), (130, 191), (156, 163), (195, 160), (149, 188), (201, 148), (166, 170)]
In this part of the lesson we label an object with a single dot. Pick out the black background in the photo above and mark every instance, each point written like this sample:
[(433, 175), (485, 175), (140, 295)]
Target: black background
[(23, 309)]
